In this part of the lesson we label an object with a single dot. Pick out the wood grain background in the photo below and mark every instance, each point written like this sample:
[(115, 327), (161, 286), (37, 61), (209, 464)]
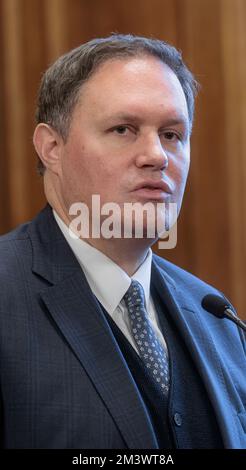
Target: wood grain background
[(212, 36)]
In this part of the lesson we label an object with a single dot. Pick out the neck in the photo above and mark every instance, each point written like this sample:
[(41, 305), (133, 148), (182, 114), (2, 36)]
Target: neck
[(129, 254)]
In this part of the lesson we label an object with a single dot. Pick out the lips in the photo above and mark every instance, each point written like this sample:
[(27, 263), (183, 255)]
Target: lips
[(150, 190), (161, 186)]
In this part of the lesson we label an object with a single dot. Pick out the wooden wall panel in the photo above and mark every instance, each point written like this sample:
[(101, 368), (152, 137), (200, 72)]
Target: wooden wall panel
[(211, 34), (4, 191), (233, 33), (205, 210), (15, 109)]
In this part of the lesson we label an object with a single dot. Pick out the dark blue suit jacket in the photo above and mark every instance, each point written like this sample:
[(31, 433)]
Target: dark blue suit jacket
[(64, 381)]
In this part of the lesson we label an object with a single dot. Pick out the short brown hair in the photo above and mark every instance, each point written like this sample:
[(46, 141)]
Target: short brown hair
[(61, 83)]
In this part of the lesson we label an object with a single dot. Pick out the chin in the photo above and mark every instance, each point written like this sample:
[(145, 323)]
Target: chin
[(141, 227)]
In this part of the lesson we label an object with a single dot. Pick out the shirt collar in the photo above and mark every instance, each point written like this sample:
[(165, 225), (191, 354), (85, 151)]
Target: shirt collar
[(108, 281)]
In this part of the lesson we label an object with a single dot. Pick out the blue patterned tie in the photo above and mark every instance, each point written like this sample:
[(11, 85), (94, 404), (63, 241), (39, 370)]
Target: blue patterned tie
[(150, 350)]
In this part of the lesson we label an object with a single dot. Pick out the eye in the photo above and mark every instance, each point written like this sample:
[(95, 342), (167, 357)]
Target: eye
[(171, 136), (121, 130)]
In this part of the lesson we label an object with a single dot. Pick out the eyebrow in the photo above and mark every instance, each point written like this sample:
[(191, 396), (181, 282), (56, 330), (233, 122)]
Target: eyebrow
[(178, 119)]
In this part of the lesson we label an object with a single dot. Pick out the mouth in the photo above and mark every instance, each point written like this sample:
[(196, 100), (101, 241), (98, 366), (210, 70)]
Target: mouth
[(153, 190)]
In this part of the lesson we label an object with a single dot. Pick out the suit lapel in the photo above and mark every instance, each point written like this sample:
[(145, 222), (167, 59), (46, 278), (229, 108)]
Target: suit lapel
[(79, 317)]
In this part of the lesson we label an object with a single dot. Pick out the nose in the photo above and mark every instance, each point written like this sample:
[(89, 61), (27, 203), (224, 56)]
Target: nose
[(152, 154)]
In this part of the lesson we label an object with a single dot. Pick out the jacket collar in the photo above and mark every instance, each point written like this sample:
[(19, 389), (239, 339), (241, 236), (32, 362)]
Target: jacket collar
[(53, 259)]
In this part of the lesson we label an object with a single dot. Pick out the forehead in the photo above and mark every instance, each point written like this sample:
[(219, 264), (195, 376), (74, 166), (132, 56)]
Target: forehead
[(133, 84)]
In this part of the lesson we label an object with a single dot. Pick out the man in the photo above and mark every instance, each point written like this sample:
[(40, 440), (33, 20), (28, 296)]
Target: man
[(104, 345)]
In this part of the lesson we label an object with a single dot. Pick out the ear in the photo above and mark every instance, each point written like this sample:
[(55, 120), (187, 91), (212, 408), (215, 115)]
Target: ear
[(48, 145)]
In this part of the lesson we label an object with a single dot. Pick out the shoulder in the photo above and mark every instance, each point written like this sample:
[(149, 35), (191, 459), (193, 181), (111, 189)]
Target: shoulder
[(15, 237), (180, 277), (19, 233), (190, 291), (15, 247)]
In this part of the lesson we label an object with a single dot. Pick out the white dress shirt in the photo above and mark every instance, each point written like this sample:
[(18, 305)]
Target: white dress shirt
[(109, 282)]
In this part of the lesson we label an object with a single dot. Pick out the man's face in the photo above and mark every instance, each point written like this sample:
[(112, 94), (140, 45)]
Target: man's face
[(129, 136)]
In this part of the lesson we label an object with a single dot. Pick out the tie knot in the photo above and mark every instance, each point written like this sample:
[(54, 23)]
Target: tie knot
[(135, 295)]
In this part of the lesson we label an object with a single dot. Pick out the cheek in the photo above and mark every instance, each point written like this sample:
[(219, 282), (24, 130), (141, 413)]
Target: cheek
[(183, 162), (76, 163), (184, 169), (100, 171), (179, 168), (88, 172)]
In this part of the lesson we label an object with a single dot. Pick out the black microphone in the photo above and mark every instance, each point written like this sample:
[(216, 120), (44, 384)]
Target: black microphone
[(218, 306)]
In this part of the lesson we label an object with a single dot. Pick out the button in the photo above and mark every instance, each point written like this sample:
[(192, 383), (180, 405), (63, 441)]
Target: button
[(177, 419)]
